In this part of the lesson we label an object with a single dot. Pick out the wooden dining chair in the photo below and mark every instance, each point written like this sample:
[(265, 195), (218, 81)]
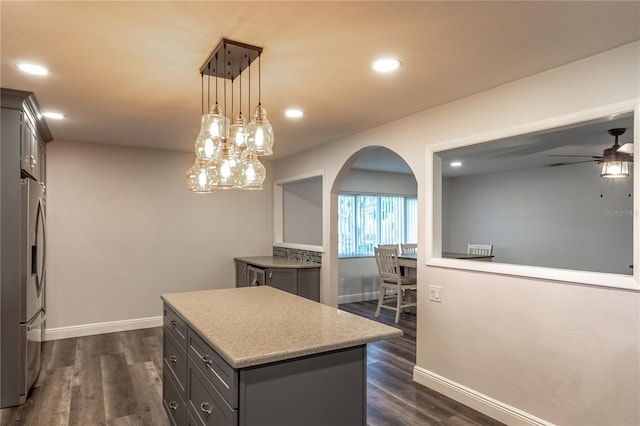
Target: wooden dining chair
[(401, 288), (408, 248), (481, 249)]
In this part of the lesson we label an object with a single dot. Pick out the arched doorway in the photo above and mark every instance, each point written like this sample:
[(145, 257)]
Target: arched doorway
[(376, 195)]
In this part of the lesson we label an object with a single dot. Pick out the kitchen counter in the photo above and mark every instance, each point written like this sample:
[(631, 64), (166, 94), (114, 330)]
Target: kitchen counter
[(277, 262), (256, 325)]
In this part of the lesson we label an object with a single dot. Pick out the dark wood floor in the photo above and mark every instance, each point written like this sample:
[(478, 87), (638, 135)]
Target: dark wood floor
[(116, 379)]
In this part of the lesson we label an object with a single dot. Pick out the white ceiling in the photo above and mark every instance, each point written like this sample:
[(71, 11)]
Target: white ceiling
[(127, 73)]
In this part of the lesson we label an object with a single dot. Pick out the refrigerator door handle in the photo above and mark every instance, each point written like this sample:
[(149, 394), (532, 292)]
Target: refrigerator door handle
[(40, 266), (37, 320)]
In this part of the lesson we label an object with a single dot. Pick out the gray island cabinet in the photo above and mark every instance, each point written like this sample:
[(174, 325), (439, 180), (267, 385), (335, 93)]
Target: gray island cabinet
[(258, 356)]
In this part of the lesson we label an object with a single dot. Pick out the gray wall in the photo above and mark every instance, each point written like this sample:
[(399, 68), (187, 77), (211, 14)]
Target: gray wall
[(549, 216), (124, 229), (302, 211), (358, 277)]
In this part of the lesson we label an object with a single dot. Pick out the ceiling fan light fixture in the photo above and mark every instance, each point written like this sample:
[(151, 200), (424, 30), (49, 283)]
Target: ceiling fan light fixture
[(614, 169), (615, 164)]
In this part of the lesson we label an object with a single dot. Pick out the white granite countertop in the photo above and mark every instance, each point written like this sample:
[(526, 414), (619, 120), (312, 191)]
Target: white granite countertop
[(277, 262), (250, 326)]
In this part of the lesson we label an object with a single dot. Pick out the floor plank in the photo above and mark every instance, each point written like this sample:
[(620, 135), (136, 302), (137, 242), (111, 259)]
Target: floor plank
[(119, 394)]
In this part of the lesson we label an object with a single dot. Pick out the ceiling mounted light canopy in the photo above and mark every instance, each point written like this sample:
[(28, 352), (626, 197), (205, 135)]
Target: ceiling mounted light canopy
[(227, 149)]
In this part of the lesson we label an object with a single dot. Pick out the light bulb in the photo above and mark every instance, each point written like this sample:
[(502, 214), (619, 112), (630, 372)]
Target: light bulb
[(228, 172), (215, 122)]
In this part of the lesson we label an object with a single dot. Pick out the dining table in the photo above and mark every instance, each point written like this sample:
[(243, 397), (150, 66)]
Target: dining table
[(410, 260)]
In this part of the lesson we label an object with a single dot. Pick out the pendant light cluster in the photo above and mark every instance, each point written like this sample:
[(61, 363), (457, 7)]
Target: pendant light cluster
[(227, 150)]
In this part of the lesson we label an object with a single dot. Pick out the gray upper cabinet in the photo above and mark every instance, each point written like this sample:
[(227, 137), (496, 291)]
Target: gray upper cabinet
[(23, 119)]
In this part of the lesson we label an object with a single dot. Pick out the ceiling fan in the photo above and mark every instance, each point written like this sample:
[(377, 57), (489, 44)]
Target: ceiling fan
[(614, 162)]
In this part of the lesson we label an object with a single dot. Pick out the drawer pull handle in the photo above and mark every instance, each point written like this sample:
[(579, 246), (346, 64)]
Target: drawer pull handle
[(173, 323), (173, 359), (205, 407), (173, 405), (207, 359)]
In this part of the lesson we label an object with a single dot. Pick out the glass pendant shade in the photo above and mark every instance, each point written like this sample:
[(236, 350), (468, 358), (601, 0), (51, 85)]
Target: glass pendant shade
[(212, 130), (215, 123), (260, 133), (237, 133), (201, 177), (614, 169), (207, 148), (254, 174), (228, 171)]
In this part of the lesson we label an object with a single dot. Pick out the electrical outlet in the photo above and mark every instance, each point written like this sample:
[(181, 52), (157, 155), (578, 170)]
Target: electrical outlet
[(435, 293)]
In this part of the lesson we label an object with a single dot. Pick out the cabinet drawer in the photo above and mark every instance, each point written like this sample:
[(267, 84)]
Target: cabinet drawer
[(173, 401), (209, 407), (216, 369), (176, 326), (175, 358), (191, 418)]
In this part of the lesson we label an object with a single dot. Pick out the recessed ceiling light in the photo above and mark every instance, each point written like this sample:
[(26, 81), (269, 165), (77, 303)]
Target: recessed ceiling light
[(33, 69), (53, 115), (385, 65), (294, 113), (456, 163)]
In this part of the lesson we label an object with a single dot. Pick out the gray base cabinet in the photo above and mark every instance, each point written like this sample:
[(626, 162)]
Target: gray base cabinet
[(303, 282), (323, 389)]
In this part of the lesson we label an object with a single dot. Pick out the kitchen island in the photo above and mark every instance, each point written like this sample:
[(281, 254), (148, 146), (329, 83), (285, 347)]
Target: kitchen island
[(261, 356)]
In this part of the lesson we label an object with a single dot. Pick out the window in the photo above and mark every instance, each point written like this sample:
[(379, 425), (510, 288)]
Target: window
[(368, 220)]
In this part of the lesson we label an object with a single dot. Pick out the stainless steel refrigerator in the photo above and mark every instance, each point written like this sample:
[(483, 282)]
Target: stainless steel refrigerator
[(32, 280), (23, 245)]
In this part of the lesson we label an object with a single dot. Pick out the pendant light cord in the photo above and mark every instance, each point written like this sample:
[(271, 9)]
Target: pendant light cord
[(225, 87), (216, 70), (259, 81), (209, 87), (201, 93)]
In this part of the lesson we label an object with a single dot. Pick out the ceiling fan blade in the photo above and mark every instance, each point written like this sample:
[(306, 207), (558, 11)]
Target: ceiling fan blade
[(566, 164), (627, 148), (570, 155)]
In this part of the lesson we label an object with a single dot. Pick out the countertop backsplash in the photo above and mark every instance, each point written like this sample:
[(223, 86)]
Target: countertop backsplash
[(297, 254)]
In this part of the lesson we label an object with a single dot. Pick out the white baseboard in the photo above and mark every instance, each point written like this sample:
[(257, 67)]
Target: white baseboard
[(360, 297), (101, 328), (476, 400)]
